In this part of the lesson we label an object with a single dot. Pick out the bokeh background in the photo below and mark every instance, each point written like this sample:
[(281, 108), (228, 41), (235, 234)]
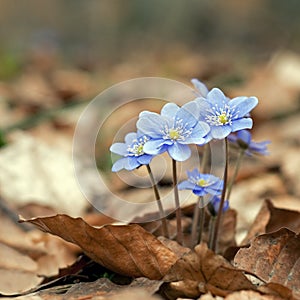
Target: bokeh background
[(57, 55)]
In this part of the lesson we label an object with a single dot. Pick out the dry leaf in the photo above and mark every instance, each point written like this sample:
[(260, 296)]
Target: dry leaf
[(27, 256), (251, 295), (202, 270), (127, 250), (273, 257), (40, 174), (271, 218)]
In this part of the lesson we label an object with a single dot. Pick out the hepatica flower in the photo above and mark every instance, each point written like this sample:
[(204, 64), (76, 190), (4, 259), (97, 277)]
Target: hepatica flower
[(172, 130), (202, 184), (215, 202), (224, 115), (201, 89), (132, 151), (243, 139)]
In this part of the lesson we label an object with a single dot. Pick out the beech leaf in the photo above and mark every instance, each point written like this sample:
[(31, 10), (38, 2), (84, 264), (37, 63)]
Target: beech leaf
[(273, 257), (271, 218), (202, 270), (128, 250)]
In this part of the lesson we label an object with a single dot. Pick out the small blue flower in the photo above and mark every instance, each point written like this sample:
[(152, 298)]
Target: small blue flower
[(132, 151), (201, 89), (202, 184), (243, 139), (172, 130), (215, 202), (224, 115)]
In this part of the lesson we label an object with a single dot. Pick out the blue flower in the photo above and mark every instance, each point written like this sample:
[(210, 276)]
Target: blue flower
[(202, 184), (132, 151), (243, 140), (215, 203), (201, 89), (224, 115), (172, 130)]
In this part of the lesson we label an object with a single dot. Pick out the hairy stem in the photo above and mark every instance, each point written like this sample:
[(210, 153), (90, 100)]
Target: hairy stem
[(219, 215), (177, 204), (159, 203)]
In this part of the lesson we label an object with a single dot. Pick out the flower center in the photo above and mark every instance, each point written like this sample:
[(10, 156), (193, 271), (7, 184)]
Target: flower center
[(179, 131), (223, 119), (174, 134), (202, 182), (220, 116), (137, 147)]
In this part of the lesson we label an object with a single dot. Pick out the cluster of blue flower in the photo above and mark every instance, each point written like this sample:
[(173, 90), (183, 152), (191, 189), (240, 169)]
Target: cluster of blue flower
[(211, 115)]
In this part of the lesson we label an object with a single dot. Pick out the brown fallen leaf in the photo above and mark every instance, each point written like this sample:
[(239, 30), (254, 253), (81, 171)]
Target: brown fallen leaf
[(251, 295), (271, 218), (101, 289), (202, 270), (128, 250), (273, 257)]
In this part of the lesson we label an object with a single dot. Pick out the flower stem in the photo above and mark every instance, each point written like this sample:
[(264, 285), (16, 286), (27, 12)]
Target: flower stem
[(202, 217), (212, 223), (159, 203), (177, 204), (219, 215), (236, 170), (199, 212)]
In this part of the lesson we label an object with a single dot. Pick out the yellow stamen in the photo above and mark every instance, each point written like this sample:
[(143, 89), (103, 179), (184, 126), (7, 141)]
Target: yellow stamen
[(173, 134)]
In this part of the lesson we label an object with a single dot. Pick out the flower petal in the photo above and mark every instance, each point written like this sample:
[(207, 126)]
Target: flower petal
[(169, 110), (130, 137), (220, 132), (144, 159), (244, 123), (243, 105), (131, 163), (245, 136), (199, 132), (150, 125), (154, 147), (119, 148), (119, 164), (186, 185), (201, 88), (216, 97), (179, 152)]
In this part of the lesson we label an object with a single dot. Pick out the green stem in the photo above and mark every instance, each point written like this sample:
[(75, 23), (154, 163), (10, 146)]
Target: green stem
[(236, 170), (202, 218), (219, 215), (195, 223), (212, 223), (177, 204), (159, 203), (199, 212)]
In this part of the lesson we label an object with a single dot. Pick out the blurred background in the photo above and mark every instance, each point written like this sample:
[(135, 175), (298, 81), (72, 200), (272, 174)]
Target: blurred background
[(57, 55)]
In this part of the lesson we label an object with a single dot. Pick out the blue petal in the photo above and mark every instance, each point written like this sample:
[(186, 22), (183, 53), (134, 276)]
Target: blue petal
[(119, 148), (154, 147), (195, 173), (244, 123), (119, 164), (187, 114), (169, 110), (245, 136), (131, 163), (220, 132), (216, 96), (179, 152), (150, 125), (243, 105), (186, 185), (130, 137), (144, 159), (200, 87), (199, 131)]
